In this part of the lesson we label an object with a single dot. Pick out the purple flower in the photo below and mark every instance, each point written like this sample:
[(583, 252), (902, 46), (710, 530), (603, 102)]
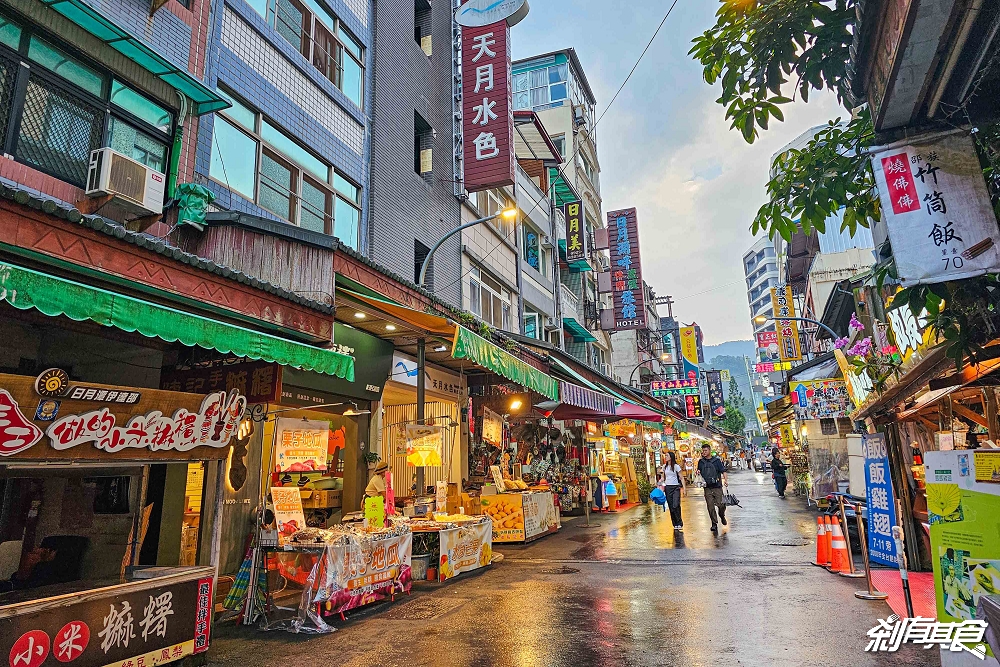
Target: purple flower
[(855, 323), (861, 348), (841, 343)]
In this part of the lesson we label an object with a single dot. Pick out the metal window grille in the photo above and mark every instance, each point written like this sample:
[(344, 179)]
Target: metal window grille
[(8, 81), (58, 131)]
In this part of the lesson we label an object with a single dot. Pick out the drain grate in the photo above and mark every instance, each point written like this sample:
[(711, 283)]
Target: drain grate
[(560, 570), (790, 543), (424, 609)]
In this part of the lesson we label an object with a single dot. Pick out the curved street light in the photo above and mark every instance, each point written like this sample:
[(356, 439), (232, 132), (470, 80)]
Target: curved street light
[(507, 214)]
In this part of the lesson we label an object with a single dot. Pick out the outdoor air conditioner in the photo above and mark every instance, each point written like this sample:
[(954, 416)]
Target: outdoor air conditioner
[(133, 184), (550, 323)]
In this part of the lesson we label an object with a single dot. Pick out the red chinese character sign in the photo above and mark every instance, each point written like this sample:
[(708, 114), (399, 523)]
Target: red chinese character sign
[(626, 270), (937, 210)]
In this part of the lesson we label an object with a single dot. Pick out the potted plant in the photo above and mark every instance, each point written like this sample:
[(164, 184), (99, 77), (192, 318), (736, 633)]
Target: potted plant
[(371, 458)]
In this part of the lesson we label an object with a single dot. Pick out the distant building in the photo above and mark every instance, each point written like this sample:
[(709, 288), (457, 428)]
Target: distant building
[(761, 270)]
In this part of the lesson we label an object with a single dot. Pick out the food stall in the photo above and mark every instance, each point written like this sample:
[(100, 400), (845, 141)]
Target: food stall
[(97, 482), (521, 516)]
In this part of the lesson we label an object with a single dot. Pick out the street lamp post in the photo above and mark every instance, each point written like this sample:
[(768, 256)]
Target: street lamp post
[(506, 214), (760, 319), (663, 357)]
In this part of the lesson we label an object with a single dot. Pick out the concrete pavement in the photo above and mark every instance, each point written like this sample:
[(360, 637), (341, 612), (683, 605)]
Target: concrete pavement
[(628, 590)]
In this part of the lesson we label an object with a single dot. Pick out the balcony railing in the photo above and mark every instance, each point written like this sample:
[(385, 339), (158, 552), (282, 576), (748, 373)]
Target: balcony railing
[(570, 303)]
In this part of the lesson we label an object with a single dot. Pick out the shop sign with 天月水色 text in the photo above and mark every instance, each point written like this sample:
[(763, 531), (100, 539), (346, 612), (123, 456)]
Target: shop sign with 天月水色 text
[(936, 209)]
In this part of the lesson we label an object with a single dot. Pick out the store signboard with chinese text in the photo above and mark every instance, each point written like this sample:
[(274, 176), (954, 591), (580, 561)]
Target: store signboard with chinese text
[(937, 210), (772, 368), (626, 270), (424, 445), (820, 399), (692, 406), (689, 352), (138, 623), (576, 233), (788, 331), (487, 109), (300, 445), (716, 401), (465, 549), (259, 381), (150, 425), (673, 387), (881, 500), (404, 371), (624, 428), (859, 384), (767, 347)]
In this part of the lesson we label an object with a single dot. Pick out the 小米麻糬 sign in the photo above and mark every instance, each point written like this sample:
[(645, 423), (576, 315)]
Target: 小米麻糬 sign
[(937, 211)]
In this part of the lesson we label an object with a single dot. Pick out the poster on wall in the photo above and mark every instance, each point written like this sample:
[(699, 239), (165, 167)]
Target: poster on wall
[(820, 399), (287, 511), (964, 516), (937, 210), (424, 445), (767, 347), (300, 445), (881, 500), (465, 549), (492, 427)]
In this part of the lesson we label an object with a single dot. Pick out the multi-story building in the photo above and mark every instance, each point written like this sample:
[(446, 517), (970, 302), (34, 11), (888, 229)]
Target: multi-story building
[(555, 87), (761, 270), (637, 352)]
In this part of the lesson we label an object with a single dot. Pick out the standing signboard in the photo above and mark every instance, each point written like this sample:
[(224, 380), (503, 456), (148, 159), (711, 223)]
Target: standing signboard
[(788, 331), (881, 500), (936, 209), (140, 623), (465, 549), (288, 513), (716, 402), (626, 270), (576, 236)]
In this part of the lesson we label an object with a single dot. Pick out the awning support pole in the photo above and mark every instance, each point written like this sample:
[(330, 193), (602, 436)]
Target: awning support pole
[(421, 362)]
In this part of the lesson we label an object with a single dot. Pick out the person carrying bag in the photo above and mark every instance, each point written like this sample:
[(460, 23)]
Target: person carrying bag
[(673, 488)]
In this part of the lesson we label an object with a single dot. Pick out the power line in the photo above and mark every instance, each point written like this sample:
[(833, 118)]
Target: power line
[(712, 289), (599, 119)]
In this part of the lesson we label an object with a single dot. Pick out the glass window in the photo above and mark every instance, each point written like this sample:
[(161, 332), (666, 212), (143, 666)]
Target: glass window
[(239, 112), (289, 18), (322, 14), (539, 96), (474, 296), (315, 207), (130, 100), (260, 6), (129, 141), (10, 33), (347, 223), (520, 82), (531, 328), (557, 92), (531, 248), (560, 144), (349, 43), (290, 149), (539, 78), (277, 184), (558, 73), (351, 80), (346, 188), (65, 66), (522, 100), (234, 158)]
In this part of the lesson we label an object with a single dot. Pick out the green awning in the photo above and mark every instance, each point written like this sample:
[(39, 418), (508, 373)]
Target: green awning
[(566, 368), (574, 267), (469, 346), (83, 15), (578, 331), (564, 192), (26, 289)]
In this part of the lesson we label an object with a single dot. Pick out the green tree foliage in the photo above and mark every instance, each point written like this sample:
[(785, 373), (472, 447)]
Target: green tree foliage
[(735, 420)]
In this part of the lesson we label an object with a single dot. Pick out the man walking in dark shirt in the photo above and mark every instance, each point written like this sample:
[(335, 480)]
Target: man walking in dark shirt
[(713, 471)]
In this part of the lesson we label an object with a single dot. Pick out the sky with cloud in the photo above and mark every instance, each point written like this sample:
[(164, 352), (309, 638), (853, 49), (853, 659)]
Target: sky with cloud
[(666, 148)]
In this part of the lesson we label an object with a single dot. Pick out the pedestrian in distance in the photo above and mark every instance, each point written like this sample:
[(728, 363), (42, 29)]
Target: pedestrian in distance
[(713, 471), (778, 472), (672, 478)]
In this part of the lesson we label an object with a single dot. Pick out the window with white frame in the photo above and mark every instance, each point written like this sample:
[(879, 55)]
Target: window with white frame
[(492, 202), (320, 36), (539, 87), (259, 161), (559, 141), (532, 328), (532, 247), (489, 300)]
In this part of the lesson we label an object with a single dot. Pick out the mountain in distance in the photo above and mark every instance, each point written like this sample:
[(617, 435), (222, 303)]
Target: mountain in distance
[(732, 348)]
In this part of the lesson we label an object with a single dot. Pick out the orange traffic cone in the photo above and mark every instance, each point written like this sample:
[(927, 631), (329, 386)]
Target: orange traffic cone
[(839, 559), (827, 551), (822, 543)]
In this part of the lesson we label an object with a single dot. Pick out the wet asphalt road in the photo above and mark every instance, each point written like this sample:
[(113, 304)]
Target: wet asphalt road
[(626, 591)]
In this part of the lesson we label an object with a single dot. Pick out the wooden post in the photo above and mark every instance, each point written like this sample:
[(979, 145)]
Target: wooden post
[(990, 408), (215, 547), (945, 414)]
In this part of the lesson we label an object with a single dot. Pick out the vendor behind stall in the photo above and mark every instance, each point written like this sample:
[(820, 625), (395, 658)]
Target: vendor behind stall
[(376, 486)]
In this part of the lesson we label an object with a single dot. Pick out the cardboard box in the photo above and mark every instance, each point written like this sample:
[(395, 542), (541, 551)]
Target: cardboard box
[(454, 490), (454, 502), (322, 498)]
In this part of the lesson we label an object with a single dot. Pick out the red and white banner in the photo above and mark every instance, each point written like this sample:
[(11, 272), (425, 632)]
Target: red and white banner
[(487, 110)]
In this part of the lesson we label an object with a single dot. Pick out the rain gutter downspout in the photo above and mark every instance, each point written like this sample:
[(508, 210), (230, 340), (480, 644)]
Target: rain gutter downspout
[(175, 152)]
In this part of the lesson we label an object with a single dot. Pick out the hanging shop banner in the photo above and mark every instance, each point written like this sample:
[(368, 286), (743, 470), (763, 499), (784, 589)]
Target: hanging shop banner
[(259, 381), (673, 387), (624, 428), (716, 400), (788, 331), (767, 347), (913, 338), (287, 511), (786, 435), (626, 270), (692, 406), (352, 573), (820, 399), (49, 418), (487, 111), (881, 500), (148, 622), (772, 368), (465, 549), (689, 352), (937, 210), (492, 427), (404, 371), (424, 445), (300, 445), (576, 235), (964, 515), (521, 517)]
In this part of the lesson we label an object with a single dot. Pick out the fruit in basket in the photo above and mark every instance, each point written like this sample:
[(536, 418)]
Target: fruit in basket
[(506, 513), (944, 500), (485, 555)]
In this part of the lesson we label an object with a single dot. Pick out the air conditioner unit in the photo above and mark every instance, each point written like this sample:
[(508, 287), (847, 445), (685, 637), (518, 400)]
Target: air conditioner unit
[(133, 184), (578, 117), (606, 369), (550, 323)]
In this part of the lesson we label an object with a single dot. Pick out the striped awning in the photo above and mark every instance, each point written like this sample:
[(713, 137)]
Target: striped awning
[(581, 397)]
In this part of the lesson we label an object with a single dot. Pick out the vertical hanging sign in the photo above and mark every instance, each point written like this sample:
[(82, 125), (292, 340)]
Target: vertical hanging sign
[(788, 330), (881, 501), (576, 239), (487, 109), (626, 270)]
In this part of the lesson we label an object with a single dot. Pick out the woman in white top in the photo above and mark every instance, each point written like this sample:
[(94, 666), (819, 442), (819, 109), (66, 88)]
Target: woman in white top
[(674, 487)]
